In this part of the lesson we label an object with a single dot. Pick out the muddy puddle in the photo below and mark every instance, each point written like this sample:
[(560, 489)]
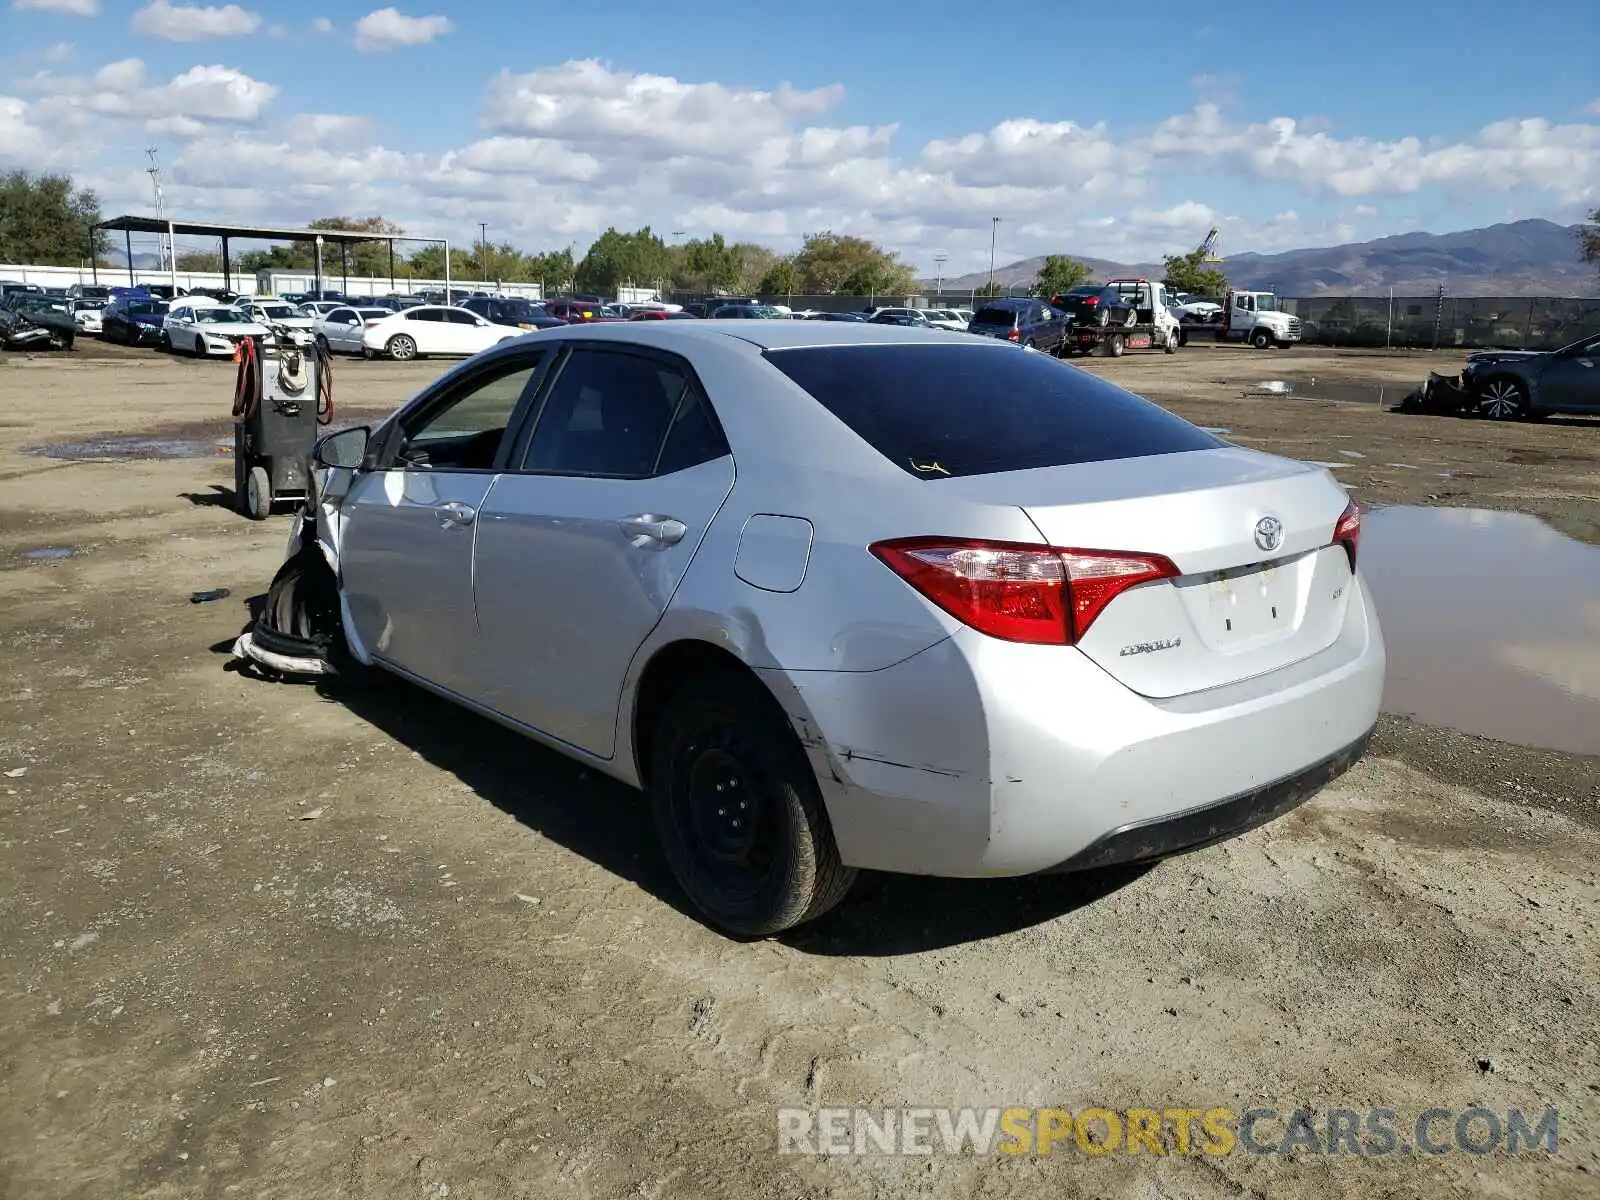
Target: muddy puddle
[(48, 553), (1492, 622), (1343, 391), (116, 449)]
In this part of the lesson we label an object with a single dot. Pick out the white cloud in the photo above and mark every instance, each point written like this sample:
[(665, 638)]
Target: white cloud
[(389, 28), (185, 23), (331, 131), (1593, 107), (61, 52), (76, 8), (321, 25), (568, 149)]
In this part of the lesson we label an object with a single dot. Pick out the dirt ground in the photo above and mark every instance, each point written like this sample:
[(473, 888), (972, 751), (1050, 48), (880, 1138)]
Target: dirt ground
[(287, 941)]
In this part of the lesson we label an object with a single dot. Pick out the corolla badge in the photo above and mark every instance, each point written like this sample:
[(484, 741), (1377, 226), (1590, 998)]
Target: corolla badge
[(1269, 533)]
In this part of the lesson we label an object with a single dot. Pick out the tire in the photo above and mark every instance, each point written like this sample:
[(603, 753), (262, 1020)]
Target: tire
[(198, 350), (1102, 317), (164, 343), (1132, 319), (1503, 400), (1261, 339), (302, 606), (722, 740), (1116, 346), (1172, 342), (256, 503), (401, 347)]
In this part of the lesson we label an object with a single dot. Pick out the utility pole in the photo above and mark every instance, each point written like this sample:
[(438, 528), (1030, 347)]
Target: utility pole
[(168, 251), (994, 232), (938, 273)]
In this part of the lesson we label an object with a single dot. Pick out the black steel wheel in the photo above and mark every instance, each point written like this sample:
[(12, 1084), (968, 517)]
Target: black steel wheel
[(738, 810)]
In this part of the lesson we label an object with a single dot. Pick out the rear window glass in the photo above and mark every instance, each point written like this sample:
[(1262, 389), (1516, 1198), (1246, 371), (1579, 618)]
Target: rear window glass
[(995, 316), (943, 411)]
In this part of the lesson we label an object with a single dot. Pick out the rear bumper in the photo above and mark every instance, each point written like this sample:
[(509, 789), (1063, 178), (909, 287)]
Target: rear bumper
[(980, 758), (1163, 837)]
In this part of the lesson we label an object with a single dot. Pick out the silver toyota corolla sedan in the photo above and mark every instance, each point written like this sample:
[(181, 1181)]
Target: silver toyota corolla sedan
[(844, 596)]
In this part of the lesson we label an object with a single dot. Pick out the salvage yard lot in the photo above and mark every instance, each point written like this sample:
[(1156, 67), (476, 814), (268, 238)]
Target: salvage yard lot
[(272, 940)]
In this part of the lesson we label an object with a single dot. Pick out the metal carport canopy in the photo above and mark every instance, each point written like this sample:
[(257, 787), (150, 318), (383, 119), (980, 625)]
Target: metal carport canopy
[(130, 225)]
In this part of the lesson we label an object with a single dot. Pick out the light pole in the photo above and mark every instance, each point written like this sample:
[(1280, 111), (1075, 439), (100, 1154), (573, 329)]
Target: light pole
[(483, 250), (994, 232), (938, 273)]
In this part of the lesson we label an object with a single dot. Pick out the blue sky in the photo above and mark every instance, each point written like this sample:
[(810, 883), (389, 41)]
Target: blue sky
[(1327, 122)]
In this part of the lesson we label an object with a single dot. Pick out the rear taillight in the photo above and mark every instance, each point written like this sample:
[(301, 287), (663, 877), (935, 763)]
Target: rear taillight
[(1014, 336), (1347, 532), (1091, 300), (1019, 593), (370, 324)]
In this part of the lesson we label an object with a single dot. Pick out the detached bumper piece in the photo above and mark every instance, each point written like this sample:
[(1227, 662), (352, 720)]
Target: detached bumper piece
[(1164, 837)]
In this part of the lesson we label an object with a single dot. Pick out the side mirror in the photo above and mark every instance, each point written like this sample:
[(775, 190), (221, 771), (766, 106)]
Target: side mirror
[(346, 449)]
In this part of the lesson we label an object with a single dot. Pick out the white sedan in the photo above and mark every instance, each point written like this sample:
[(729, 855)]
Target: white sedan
[(432, 329), (201, 326), (277, 312), (340, 329)]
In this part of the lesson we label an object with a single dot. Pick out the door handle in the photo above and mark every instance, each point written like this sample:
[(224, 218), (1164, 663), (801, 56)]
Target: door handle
[(455, 515), (647, 527)]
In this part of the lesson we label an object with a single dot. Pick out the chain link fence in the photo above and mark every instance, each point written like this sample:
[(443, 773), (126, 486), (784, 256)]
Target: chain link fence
[(1508, 322)]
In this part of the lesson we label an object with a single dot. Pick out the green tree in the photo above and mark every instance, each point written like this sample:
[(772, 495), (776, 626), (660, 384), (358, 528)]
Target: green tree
[(832, 263), (1189, 273), (1589, 239), (781, 279), (640, 258), (199, 260), (990, 290), (370, 259), (1060, 273), (708, 265), (44, 219), (754, 262)]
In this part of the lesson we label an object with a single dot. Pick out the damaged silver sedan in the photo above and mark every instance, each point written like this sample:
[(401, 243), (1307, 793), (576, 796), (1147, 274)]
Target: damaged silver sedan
[(843, 596)]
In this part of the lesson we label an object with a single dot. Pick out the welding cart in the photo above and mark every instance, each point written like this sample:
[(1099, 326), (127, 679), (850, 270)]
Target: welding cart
[(283, 394)]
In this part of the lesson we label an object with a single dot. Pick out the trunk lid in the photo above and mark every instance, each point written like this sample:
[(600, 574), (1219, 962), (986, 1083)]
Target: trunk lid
[(1237, 609)]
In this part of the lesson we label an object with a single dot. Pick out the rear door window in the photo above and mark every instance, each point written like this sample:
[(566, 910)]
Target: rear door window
[(942, 411)]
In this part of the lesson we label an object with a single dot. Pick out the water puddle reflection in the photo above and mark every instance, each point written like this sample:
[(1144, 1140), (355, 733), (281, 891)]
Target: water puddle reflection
[(1492, 621)]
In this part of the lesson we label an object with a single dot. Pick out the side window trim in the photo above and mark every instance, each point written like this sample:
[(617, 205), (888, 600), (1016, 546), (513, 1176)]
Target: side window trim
[(447, 391), (523, 442)]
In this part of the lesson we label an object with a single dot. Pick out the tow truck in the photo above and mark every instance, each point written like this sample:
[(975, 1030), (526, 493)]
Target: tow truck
[(1151, 325)]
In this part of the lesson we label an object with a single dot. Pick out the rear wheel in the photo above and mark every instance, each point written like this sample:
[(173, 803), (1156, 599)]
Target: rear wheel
[(1116, 346), (1102, 318), (1173, 341), (738, 810), (401, 347), (1503, 400), (1131, 319)]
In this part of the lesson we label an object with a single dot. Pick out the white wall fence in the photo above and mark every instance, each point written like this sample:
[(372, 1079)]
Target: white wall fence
[(258, 283)]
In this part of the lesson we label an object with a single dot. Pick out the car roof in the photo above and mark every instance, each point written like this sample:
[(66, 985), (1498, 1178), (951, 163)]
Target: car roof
[(764, 335)]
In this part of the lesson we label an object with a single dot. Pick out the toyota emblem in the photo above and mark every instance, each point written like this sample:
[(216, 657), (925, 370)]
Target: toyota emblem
[(1269, 533)]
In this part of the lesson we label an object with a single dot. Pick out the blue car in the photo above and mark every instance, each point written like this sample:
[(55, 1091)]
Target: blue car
[(133, 317)]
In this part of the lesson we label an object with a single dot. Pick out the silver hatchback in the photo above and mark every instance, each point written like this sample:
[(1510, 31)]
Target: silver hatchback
[(844, 596)]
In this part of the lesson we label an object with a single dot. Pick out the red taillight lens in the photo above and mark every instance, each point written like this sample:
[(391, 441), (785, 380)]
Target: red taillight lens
[(1014, 336), (1091, 299), (1347, 532), (1019, 593)]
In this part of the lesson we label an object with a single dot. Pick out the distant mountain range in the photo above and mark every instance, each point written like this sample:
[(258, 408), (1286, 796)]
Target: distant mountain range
[(1521, 258)]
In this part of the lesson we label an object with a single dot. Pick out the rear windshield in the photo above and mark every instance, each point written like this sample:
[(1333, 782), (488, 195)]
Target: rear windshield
[(943, 411), (995, 316)]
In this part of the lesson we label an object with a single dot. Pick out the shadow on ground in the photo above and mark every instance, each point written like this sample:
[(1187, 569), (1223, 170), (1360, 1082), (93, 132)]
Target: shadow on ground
[(610, 825)]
